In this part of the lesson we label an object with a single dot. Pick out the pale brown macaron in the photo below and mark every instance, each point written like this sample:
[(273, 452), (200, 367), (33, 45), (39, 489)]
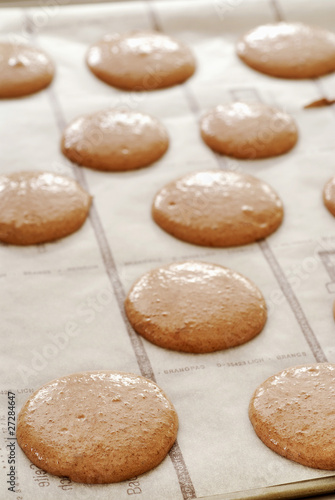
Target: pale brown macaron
[(141, 60), (115, 140), (23, 70), (293, 413), (97, 427), (37, 207), (248, 130), (329, 195), (289, 50), (218, 208), (195, 307)]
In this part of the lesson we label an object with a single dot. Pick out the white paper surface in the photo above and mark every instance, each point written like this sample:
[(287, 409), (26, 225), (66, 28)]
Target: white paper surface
[(62, 302)]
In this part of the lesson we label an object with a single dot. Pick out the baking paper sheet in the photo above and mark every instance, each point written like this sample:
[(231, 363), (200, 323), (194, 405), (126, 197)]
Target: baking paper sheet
[(62, 303)]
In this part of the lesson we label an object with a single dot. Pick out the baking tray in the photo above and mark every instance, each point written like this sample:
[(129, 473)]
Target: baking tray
[(79, 283)]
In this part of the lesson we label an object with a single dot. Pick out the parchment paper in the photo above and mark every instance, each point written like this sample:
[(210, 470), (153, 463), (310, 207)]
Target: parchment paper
[(61, 303)]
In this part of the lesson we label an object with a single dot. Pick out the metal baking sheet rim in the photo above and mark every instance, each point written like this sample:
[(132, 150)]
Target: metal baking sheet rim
[(300, 489)]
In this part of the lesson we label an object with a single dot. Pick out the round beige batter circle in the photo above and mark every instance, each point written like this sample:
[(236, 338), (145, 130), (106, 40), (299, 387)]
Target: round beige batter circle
[(329, 195), (289, 50), (195, 307), (37, 207), (248, 130), (97, 427), (23, 70), (218, 208), (293, 414), (115, 140), (141, 60)]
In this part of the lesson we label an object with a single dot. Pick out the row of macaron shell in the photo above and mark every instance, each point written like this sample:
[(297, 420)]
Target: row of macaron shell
[(144, 60)]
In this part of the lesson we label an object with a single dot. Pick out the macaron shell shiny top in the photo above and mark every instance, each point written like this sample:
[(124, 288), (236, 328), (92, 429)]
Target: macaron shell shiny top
[(23, 70), (329, 195), (141, 60), (218, 208), (97, 427), (248, 130), (293, 413), (195, 307), (289, 50), (37, 207), (115, 140)]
